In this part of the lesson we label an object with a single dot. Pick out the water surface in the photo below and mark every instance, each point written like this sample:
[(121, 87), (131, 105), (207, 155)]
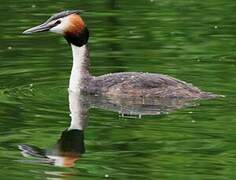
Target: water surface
[(190, 40)]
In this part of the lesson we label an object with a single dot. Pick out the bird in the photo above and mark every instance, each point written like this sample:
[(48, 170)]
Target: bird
[(72, 27)]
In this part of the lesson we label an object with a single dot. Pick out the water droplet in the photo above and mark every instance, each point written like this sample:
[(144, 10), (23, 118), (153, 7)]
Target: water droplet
[(215, 27), (9, 48), (106, 176), (33, 6)]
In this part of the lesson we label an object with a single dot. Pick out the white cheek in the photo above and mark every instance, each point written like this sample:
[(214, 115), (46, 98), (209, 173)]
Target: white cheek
[(60, 28), (57, 29)]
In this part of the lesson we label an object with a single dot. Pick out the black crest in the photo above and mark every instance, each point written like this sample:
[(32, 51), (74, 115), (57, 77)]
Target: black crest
[(63, 14)]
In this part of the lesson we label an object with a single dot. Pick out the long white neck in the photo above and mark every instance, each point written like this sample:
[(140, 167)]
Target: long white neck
[(80, 68)]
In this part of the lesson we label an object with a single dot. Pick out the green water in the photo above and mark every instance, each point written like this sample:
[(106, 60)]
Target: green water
[(191, 40)]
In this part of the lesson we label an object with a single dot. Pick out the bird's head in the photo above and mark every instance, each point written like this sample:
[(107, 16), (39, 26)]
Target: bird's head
[(67, 23)]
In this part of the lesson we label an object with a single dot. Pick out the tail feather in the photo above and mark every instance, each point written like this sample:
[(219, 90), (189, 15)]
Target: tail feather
[(208, 95)]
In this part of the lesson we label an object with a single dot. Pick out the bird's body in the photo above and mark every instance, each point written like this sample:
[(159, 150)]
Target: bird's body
[(127, 84), (134, 84)]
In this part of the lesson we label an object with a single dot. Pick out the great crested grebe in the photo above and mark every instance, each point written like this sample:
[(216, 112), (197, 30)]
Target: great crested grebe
[(127, 84)]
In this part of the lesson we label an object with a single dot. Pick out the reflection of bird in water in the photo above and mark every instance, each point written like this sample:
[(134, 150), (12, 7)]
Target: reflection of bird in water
[(65, 152), (70, 146), (72, 27), (138, 107)]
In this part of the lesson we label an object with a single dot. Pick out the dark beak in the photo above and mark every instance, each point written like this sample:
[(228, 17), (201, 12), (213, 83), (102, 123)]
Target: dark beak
[(41, 28)]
